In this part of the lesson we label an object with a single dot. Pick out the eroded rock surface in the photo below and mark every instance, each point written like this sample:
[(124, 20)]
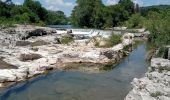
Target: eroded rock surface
[(156, 83), (35, 50)]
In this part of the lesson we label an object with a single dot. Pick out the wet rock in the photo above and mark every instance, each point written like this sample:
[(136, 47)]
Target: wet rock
[(27, 57), (34, 33)]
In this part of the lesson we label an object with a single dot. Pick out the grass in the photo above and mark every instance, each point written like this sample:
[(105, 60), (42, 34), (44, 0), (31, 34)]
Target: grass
[(111, 41), (156, 94), (66, 39)]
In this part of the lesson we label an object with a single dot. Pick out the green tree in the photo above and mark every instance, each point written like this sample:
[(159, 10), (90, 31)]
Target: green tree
[(56, 17), (82, 14), (35, 7), (135, 21), (98, 14), (158, 24)]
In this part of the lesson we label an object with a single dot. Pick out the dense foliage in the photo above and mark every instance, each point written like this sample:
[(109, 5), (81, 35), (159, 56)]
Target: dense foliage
[(156, 20), (159, 26), (30, 12), (93, 13)]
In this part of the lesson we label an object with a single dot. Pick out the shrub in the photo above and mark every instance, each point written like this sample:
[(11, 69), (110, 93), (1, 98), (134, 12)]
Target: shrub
[(114, 39), (66, 39), (158, 24), (156, 94), (135, 21), (162, 52)]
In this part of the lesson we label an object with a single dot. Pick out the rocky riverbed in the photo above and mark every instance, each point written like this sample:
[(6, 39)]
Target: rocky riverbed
[(26, 51), (156, 83)]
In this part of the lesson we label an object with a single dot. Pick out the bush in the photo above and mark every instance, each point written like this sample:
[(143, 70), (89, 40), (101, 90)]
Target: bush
[(158, 24), (114, 39), (66, 39), (135, 21), (156, 94), (162, 52)]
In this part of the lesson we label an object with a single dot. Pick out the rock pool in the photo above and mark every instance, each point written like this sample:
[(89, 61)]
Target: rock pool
[(75, 85)]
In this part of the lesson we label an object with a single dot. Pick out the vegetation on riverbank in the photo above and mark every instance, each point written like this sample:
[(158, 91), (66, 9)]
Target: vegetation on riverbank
[(156, 21), (30, 12), (93, 13)]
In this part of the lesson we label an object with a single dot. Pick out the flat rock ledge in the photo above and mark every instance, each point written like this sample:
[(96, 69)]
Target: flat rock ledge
[(156, 83), (34, 50)]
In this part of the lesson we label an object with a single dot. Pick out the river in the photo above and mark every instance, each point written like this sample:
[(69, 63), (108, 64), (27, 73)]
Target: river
[(76, 85)]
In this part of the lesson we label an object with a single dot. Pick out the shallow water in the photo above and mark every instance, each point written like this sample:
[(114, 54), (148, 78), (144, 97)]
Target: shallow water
[(75, 85)]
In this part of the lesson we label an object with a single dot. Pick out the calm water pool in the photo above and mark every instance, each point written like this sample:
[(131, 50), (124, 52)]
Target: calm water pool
[(76, 85)]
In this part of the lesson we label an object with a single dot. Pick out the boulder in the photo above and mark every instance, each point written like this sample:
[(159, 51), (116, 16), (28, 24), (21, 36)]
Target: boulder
[(27, 57), (5, 65), (33, 33), (23, 43)]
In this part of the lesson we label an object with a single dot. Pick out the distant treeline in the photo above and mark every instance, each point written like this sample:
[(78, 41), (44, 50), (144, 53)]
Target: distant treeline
[(30, 12), (93, 13)]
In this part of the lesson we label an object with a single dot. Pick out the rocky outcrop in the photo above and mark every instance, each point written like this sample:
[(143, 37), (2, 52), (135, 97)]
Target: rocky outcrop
[(156, 83), (39, 52)]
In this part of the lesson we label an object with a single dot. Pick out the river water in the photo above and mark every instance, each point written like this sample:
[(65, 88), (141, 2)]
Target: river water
[(75, 85)]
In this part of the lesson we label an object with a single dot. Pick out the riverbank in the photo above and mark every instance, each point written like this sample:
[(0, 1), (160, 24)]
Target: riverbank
[(34, 50), (155, 85)]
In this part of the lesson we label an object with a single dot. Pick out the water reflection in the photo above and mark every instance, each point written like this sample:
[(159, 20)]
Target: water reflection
[(76, 85)]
